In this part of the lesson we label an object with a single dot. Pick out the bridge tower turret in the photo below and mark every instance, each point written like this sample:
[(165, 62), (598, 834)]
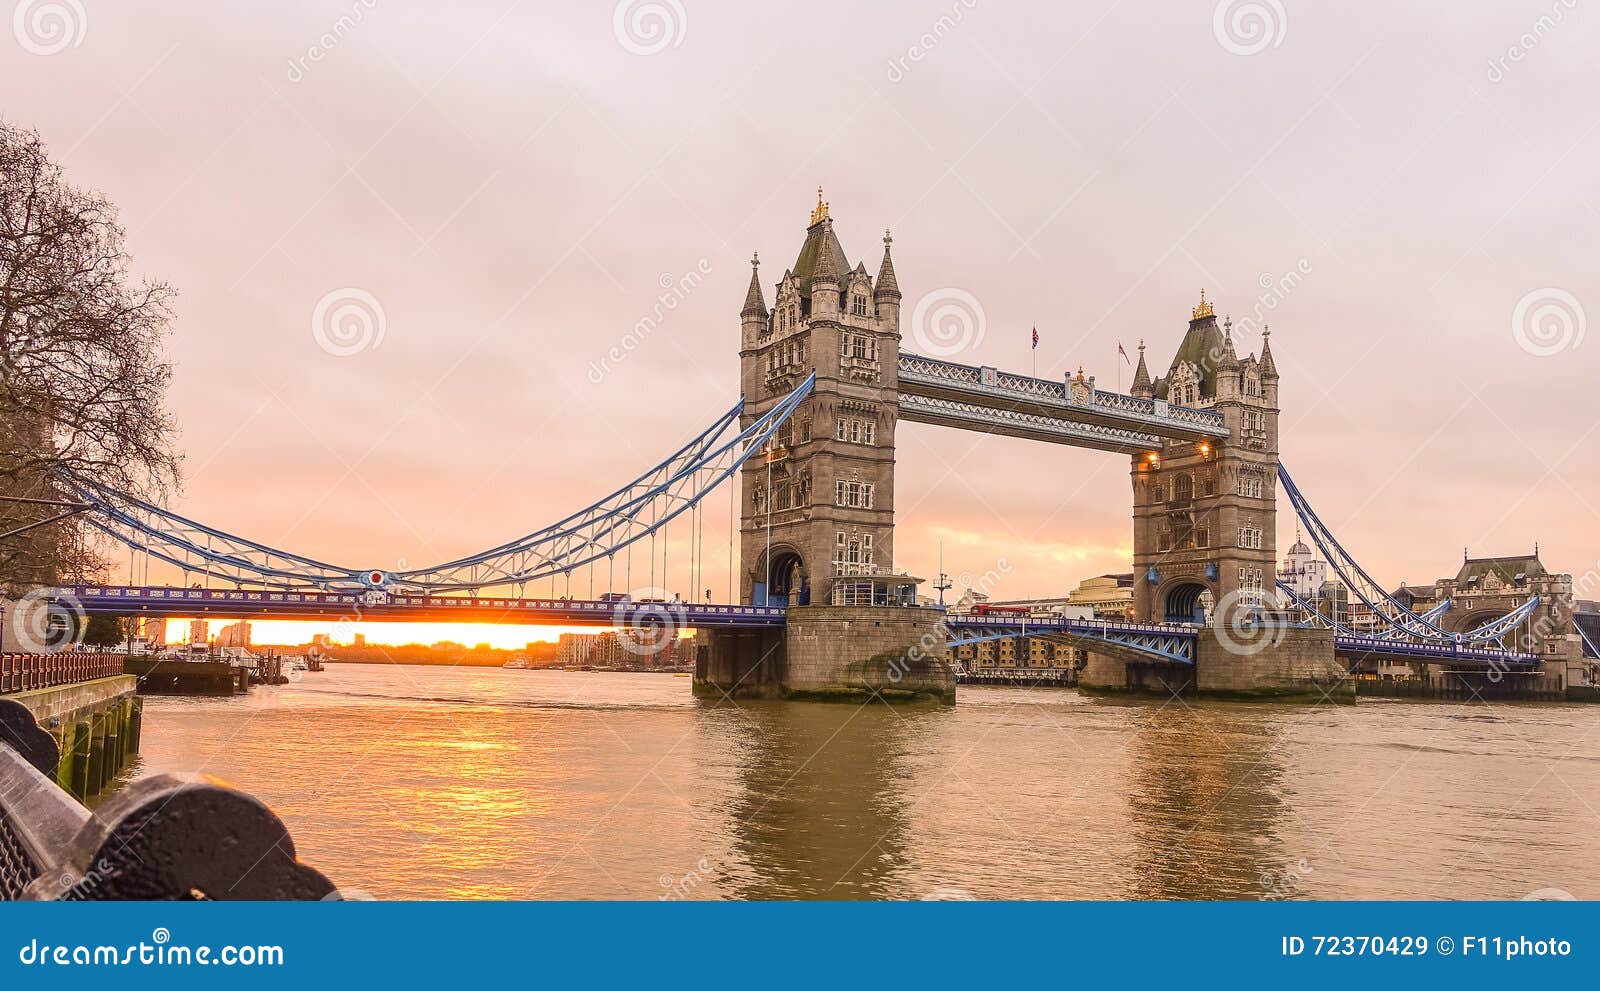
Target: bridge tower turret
[(1204, 526), (1204, 512), (820, 505), (816, 528)]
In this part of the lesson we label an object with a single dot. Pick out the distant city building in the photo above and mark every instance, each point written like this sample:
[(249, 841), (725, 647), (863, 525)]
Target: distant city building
[(622, 648), (199, 631), (1302, 572), (360, 640), (573, 649), (1417, 598), (1024, 657), (1036, 658), (969, 598), (151, 631), (1107, 596), (234, 635)]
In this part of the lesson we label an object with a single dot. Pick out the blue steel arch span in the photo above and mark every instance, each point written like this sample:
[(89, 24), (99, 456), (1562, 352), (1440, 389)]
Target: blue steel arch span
[(631, 513)]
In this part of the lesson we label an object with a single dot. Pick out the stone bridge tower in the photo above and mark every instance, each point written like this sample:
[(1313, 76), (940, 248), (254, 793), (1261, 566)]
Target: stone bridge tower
[(823, 497), (1204, 513)]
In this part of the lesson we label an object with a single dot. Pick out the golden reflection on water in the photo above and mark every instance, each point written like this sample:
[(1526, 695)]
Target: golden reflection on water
[(433, 783)]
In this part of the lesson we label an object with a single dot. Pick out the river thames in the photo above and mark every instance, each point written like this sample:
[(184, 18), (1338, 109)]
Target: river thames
[(430, 782)]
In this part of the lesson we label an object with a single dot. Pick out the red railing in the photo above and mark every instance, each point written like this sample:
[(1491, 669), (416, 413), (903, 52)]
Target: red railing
[(24, 672)]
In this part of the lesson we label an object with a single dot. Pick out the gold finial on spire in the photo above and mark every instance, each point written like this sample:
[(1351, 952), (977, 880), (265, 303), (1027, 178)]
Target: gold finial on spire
[(888, 238), (821, 212), (1204, 309)]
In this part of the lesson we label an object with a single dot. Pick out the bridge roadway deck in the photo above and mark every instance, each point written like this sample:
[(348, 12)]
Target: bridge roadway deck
[(1353, 648), (401, 607), (404, 607)]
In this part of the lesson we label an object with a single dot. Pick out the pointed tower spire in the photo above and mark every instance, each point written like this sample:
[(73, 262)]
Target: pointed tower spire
[(886, 287), (754, 303), (1230, 357), (1269, 368), (1141, 378)]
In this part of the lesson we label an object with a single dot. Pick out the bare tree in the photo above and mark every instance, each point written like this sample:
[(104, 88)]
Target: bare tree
[(82, 380)]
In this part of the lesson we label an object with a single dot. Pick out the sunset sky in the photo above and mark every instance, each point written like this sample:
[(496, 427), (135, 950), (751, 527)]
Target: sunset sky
[(514, 182)]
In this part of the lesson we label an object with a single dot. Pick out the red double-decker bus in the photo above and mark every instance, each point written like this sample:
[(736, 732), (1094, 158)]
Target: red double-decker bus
[(1009, 612)]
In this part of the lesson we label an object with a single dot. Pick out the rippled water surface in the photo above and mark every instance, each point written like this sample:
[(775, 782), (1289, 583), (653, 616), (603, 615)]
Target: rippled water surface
[(418, 782)]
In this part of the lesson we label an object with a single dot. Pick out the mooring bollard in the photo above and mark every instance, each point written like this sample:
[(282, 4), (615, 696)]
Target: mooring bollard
[(165, 837)]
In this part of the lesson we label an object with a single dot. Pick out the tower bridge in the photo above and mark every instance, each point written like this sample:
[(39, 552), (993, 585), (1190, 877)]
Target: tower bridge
[(822, 610)]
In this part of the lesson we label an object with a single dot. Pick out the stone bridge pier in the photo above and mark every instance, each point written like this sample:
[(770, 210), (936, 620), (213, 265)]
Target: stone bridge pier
[(1288, 665), (832, 653)]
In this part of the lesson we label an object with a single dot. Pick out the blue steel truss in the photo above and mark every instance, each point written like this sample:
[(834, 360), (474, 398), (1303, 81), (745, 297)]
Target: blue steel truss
[(119, 600), (1389, 610), (629, 514), (1491, 631), (1157, 641), (1431, 615)]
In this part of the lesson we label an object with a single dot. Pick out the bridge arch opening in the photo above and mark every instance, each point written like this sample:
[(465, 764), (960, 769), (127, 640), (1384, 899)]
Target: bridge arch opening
[(1187, 602), (787, 583)]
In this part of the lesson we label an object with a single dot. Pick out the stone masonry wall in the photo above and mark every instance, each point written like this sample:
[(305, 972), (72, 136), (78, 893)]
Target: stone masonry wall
[(863, 652), (1301, 666)]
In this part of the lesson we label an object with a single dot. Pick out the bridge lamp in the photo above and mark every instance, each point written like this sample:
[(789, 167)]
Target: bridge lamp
[(1153, 459), (1205, 449)]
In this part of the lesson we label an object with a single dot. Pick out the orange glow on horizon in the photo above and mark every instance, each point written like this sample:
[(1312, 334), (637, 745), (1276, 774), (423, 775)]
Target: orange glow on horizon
[(505, 636)]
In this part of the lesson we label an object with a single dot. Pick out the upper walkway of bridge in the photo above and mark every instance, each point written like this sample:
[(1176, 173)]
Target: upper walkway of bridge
[(1067, 411)]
